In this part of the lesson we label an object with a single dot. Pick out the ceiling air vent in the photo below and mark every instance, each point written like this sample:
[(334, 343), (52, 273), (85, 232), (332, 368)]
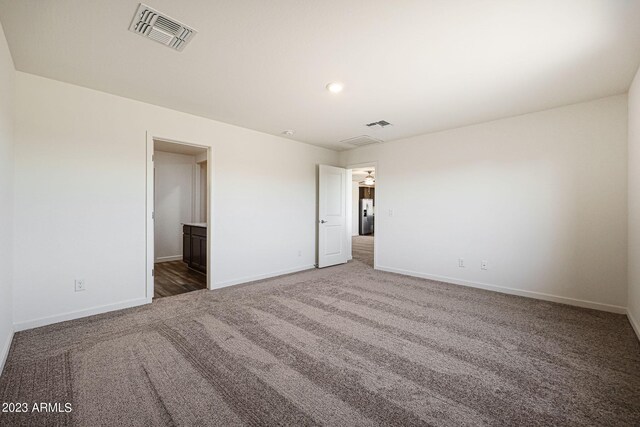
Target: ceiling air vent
[(381, 123), (152, 24), (362, 140)]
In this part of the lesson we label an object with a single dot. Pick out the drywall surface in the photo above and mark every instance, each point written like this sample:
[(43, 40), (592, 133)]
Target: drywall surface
[(175, 201), (81, 214), (634, 204), (7, 92), (541, 197)]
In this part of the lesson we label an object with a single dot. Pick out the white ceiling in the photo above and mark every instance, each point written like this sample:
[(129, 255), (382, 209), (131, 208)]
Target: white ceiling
[(423, 65)]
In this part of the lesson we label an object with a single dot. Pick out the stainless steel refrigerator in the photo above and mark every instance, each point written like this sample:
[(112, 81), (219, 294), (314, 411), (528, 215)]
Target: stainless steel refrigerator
[(366, 217)]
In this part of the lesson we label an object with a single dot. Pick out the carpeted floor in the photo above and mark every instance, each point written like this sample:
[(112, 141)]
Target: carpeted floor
[(362, 249), (344, 346)]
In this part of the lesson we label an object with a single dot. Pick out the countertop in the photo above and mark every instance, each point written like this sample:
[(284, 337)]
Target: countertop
[(196, 224)]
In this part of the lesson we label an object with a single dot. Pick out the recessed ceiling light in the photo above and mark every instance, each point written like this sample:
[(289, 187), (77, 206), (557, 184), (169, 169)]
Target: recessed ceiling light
[(288, 132), (335, 87)]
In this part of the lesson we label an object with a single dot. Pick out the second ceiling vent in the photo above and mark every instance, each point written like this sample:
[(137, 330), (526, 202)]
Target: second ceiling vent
[(361, 141), (152, 24)]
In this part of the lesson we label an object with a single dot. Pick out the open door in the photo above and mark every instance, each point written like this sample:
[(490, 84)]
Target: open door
[(332, 216)]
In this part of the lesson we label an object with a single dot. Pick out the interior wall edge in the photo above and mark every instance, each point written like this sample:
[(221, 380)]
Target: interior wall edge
[(511, 291), (5, 351), (77, 314), (249, 279), (633, 203), (634, 323), (7, 194)]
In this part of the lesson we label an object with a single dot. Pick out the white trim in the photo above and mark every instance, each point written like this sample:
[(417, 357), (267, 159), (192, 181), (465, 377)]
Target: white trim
[(511, 291), (262, 276), (201, 158), (634, 323), (348, 191), (376, 223), (72, 315), (150, 257), (169, 258), (149, 218), (210, 218), (5, 351)]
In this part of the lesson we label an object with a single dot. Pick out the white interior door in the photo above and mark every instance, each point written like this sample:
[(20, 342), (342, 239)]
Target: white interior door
[(332, 216)]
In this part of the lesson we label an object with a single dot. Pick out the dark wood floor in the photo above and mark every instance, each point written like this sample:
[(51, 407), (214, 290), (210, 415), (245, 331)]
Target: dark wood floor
[(175, 278)]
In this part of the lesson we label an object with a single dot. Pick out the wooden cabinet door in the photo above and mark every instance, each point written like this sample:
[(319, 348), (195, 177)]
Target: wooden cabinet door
[(366, 193), (194, 241), (186, 244), (198, 253), (203, 254), (195, 252), (199, 249)]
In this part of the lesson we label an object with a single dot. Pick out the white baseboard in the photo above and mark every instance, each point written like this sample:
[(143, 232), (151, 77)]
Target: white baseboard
[(261, 276), (72, 315), (634, 323), (511, 291), (4, 353), (169, 258)]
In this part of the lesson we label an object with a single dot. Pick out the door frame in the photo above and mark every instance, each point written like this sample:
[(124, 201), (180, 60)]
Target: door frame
[(350, 168), (149, 208)]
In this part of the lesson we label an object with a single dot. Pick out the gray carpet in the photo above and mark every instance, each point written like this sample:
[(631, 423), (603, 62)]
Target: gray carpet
[(340, 346), (362, 249)]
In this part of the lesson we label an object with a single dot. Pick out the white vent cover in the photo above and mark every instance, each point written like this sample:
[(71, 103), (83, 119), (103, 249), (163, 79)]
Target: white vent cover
[(361, 140), (152, 24)]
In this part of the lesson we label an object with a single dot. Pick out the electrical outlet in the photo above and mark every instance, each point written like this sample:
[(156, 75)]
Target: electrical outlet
[(461, 262), (80, 285), (299, 253), (390, 212), (483, 265)]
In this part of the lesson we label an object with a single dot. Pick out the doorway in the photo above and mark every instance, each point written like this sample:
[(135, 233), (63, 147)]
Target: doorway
[(363, 202), (178, 201)]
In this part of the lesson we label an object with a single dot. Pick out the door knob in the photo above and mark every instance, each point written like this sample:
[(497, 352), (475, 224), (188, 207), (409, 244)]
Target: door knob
[(322, 221)]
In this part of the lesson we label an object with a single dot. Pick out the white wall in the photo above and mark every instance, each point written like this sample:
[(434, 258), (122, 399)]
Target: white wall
[(80, 199), (634, 204), (175, 176), (7, 92), (541, 197)]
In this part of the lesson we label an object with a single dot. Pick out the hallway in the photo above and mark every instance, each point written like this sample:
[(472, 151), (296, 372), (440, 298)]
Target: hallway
[(362, 249)]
